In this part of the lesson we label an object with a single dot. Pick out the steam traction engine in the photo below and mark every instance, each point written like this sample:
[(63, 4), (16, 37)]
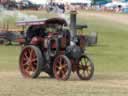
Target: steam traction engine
[(52, 48)]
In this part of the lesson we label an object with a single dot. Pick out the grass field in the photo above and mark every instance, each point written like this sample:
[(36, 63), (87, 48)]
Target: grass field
[(109, 56)]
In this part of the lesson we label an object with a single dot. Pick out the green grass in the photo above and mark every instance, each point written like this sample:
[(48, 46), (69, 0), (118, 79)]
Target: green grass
[(109, 57), (9, 58)]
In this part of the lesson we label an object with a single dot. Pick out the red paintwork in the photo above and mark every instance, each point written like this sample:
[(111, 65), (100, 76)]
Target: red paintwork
[(27, 62), (52, 33), (3, 1), (54, 45), (82, 41), (74, 65), (59, 68), (36, 40), (20, 40), (63, 43)]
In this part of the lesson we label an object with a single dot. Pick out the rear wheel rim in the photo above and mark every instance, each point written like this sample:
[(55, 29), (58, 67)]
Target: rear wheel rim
[(28, 62)]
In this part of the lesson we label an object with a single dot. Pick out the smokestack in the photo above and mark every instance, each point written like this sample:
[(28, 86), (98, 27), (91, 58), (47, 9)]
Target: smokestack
[(73, 15)]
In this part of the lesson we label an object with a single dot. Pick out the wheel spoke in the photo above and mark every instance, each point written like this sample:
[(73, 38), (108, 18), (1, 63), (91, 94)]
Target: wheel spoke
[(86, 72), (30, 59), (81, 67), (31, 53), (25, 65), (89, 68), (60, 61), (65, 62), (61, 68), (27, 69), (88, 63), (89, 72), (25, 59), (30, 67), (64, 66), (63, 73), (84, 75), (58, 72), (25, 56), (81, 63), (57, 67), (33, 60), (29, 50), (85, 68), (33, 69), (84, 61)]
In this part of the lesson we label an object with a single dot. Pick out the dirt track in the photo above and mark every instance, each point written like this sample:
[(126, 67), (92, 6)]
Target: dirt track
[(12, 84)]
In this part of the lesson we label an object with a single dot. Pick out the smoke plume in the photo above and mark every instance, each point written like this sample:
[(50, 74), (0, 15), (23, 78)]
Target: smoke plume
[(14, 15)]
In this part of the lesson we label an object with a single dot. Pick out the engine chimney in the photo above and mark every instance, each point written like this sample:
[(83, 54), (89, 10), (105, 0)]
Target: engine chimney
[(73, 15)]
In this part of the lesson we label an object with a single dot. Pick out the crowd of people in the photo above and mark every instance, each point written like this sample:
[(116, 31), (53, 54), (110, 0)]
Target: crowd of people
[(60, 7)]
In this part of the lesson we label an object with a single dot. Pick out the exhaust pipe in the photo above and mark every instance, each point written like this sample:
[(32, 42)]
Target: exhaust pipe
[(90, 39), (73, 15)]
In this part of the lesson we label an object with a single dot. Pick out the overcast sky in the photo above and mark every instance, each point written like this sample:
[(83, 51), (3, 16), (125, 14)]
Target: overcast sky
[(68, 1)]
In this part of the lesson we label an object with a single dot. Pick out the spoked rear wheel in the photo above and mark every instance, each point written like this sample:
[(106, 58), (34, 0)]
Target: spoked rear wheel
[(30, 61), (62, 67), (85, 68)]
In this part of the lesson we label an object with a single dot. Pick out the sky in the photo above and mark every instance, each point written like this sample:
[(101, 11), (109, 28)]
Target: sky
[(67, 1)]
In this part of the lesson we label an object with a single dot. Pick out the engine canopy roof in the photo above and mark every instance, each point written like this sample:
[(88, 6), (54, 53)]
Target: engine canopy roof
[(59, 21)]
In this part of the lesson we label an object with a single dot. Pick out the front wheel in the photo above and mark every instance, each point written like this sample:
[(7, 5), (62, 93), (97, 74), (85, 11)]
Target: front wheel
[(85, 68), (62, 67)]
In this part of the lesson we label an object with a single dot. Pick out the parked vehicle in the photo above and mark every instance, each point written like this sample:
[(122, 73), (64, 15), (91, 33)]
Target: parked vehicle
[(7, 37)]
